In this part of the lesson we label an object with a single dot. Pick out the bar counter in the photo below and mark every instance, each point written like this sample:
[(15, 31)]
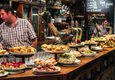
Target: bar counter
[(89, 67)]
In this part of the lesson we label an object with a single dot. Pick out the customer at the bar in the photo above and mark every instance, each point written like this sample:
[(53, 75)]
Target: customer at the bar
[(15, 31), (100, 30)]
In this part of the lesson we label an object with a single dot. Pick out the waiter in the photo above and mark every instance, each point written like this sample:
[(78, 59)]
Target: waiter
[(15, 31)]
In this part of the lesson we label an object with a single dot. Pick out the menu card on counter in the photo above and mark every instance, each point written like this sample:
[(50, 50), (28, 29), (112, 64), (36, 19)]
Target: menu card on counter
[(98, 5)]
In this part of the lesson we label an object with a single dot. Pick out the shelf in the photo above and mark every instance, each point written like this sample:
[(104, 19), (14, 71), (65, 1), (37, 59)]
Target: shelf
[(79, 16), (29, 3), (55, 7)]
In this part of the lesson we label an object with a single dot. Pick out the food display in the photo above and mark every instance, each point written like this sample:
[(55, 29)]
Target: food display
[(22, 50), (13, 66), (3, 52), (65, 57), (68, 58), (55, 48)]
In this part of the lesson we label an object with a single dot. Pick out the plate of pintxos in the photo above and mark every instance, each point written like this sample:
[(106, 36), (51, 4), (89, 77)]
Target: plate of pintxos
[(22, 51), (46, 69), (55, 49), (13, 66)]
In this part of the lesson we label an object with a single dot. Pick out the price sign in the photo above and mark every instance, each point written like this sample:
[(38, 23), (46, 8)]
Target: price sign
[(99, 5)]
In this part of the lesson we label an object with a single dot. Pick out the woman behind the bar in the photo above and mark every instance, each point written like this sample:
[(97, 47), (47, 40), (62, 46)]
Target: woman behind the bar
[(15, 31), (100, 30)]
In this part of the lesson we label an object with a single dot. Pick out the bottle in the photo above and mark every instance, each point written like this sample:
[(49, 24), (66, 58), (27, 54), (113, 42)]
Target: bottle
[(72, 22)]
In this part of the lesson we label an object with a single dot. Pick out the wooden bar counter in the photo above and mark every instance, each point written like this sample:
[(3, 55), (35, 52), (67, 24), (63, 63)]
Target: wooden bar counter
[(89, 67)]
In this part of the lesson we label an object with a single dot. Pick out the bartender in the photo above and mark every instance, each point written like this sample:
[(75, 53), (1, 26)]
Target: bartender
[(15, 31), (100, 30)]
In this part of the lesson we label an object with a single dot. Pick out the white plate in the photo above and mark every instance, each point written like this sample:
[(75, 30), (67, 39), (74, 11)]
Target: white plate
[(22, 54), (13, 70), (4, 74), (38, 71), (50, 37), (97, 48)]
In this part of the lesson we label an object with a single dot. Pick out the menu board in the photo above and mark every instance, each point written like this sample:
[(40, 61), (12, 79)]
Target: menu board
[(99, 5)]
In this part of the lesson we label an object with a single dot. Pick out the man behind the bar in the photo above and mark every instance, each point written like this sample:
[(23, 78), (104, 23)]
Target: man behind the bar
[(15, 31)]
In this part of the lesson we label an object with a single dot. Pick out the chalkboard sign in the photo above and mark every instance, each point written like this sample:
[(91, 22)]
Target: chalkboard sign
[(99, 5)]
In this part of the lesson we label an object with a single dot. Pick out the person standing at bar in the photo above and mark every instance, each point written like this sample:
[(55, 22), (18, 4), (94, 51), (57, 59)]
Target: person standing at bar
[(100, 30), (15, 31)]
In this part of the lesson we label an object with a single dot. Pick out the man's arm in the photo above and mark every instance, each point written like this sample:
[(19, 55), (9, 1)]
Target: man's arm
[(34, 42), (32, 34)]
